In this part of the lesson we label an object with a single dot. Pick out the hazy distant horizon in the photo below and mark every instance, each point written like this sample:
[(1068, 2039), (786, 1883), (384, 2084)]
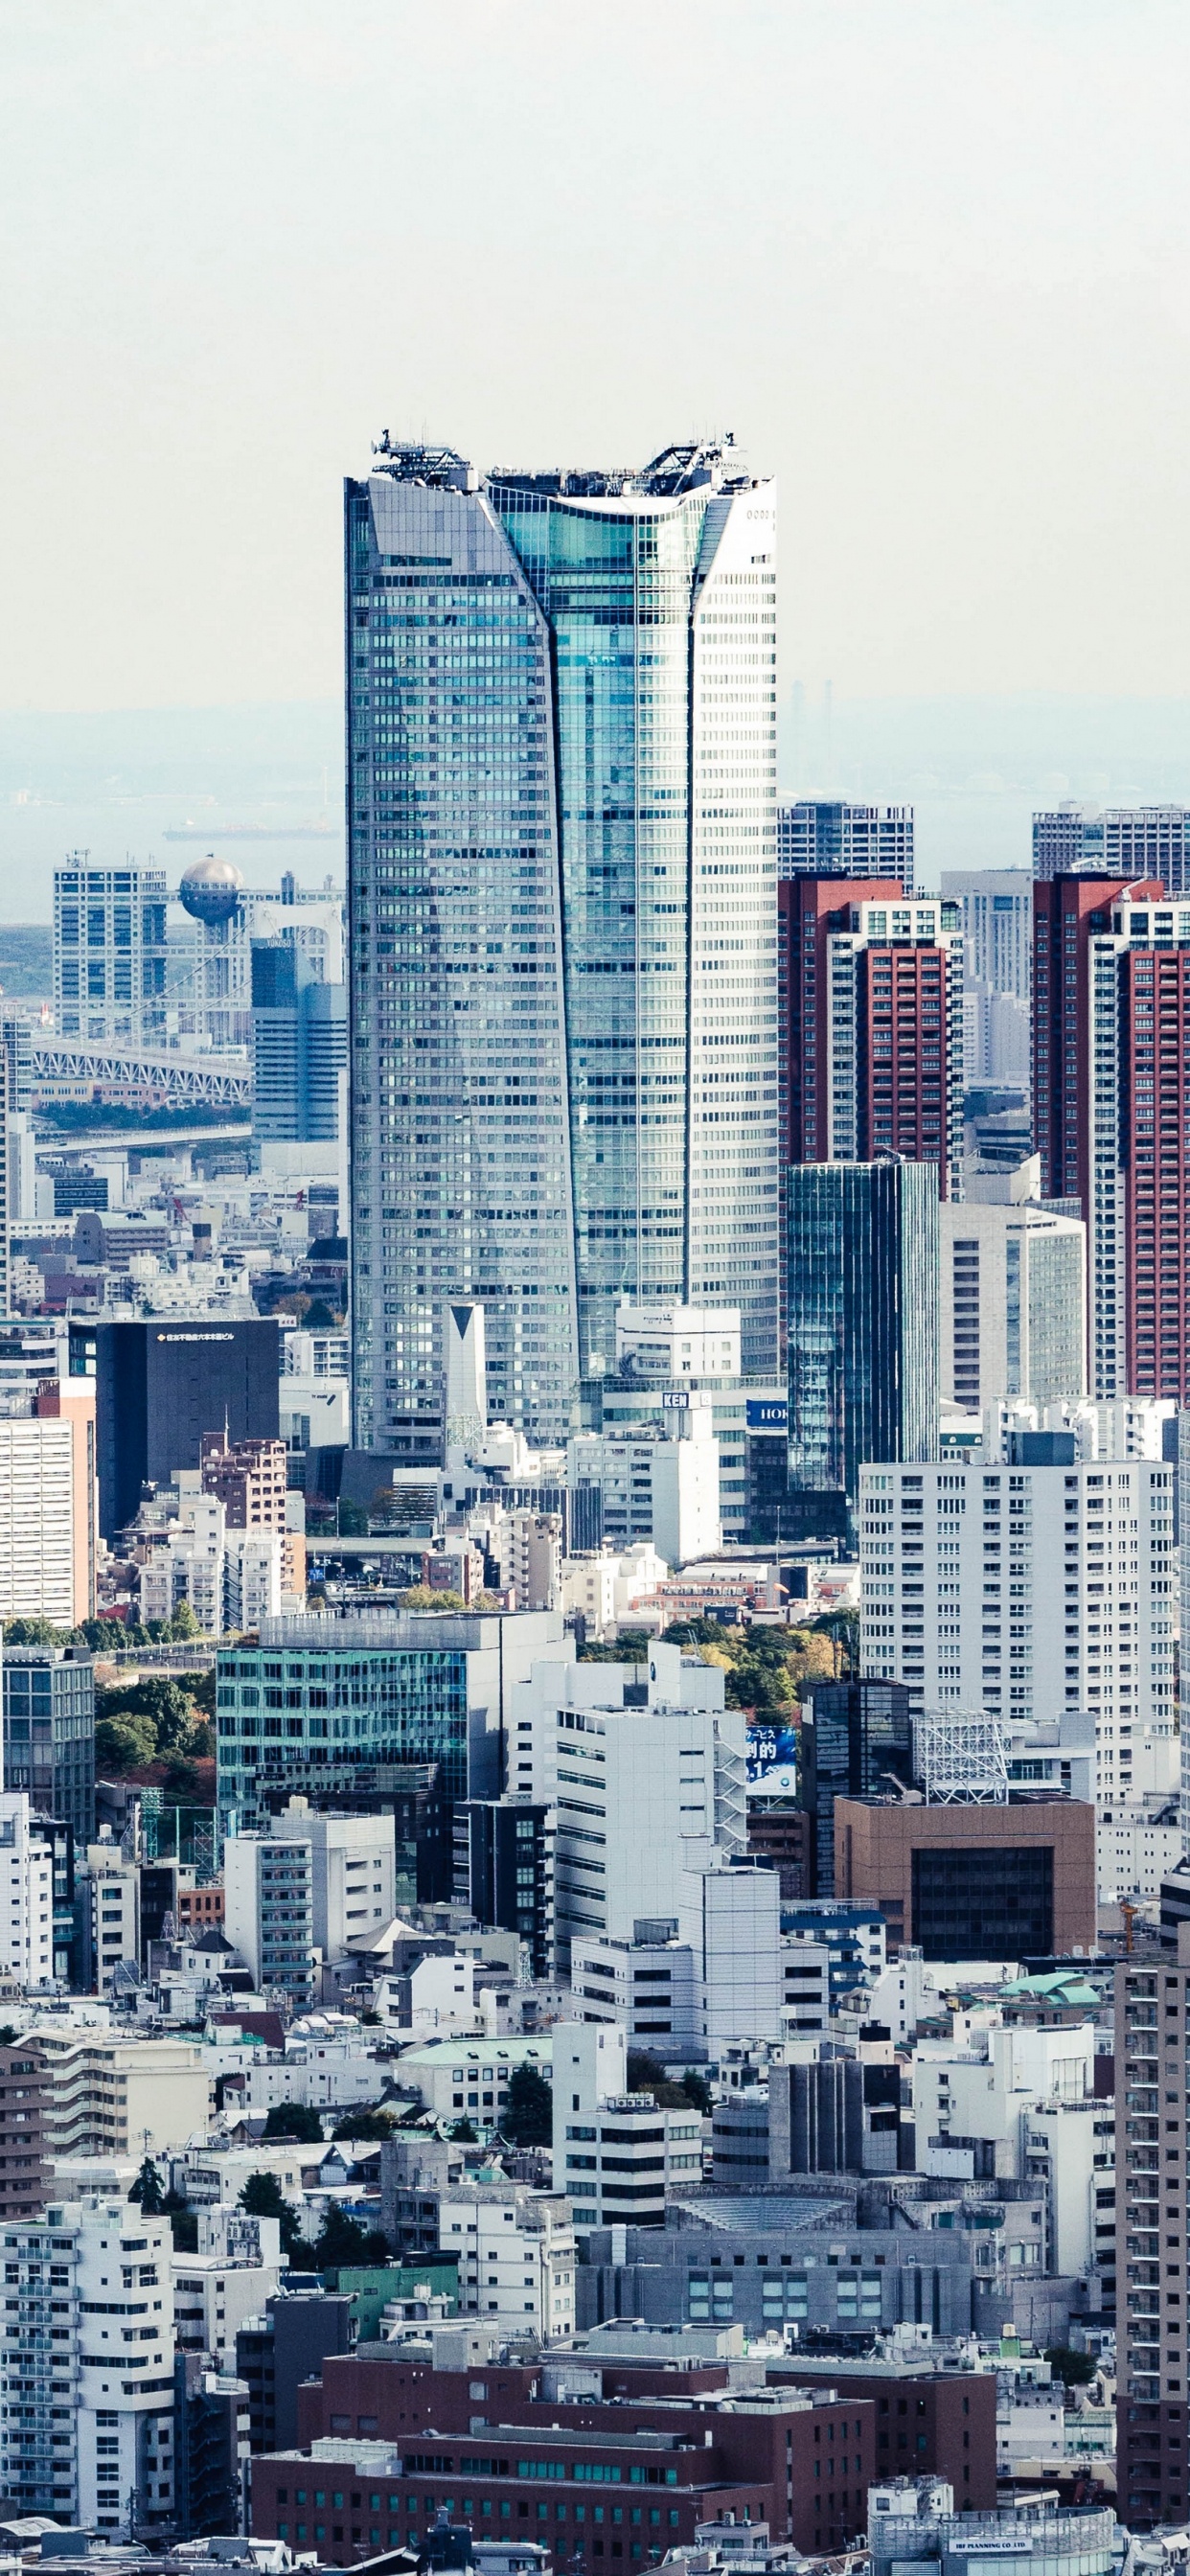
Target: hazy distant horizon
[(974, 768)]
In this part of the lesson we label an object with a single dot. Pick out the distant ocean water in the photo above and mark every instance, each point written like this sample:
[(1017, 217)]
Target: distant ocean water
[(974, 770)]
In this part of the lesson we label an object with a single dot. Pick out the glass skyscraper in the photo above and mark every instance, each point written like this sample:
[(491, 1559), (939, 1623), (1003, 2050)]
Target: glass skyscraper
[(562, 885), (863, 1319)]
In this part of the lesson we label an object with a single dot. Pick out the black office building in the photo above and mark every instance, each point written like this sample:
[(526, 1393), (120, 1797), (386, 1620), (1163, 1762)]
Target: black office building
[(857, 1740), (159, 1385), (504, 1870)]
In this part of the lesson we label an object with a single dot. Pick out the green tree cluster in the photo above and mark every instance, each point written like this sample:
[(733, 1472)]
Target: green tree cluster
[(162, 1717), (294, 2120), (370, 2121), (106, 1636), (341, 2239), (528, 2116), (770, 1669), (646, 2074)]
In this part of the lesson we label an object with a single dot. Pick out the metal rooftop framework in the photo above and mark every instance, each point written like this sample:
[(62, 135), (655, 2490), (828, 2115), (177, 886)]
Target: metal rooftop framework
[(960, 1758)]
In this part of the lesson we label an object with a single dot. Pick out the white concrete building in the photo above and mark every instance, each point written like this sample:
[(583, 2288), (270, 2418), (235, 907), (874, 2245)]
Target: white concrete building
[(1028, 1590), (672, 1342), (729, 1913), (86, 2368), (658, 1482), (1125, 1426), (529, 1548), (641, 1794), (216, 2292), (253, 1577), (460, 2079), (614, 2152), (37, 1520), (109, 1888), (608, 1588), (805, 1987), (996, 911), (320, 2070), (26, 1895), (231, 1578), (1013, 1304), (353, 1879), (517, 2255), (438, 1993), (1138, 1847), (269, 1909), (647, 1984), (113, 2096)]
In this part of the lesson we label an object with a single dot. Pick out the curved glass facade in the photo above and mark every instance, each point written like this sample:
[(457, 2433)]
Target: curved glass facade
[(562, 874)]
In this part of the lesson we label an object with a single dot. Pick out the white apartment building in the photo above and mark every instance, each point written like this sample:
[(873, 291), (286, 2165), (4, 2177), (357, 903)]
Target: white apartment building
[(109, 1889), (1138, 1847), (1183, 1474), (1125, 1426), (86, 2434), (996, 911), (805, 1988), (235, 2269), (333, 2079), (1013, 1304), (1028, 1590), (607, 1588), (231, 1578), (641, 1793), (37, 1519), (268, 1882), (26, 1895), (517, 2255), (529, 1548), (353, 1881), (120, 2097), (614, 2152)]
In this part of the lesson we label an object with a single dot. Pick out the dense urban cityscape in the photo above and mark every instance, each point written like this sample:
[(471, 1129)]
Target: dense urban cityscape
[(593, 1431)]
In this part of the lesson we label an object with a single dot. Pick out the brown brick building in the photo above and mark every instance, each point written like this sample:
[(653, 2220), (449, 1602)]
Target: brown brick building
[(973, 1882), (596, 2481)]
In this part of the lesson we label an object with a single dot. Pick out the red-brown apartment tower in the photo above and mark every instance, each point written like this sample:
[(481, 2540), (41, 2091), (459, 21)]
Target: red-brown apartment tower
[(871, 1015), (1111, 1056)]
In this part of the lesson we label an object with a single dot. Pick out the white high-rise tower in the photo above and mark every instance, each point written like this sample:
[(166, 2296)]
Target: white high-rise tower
[(562, 879)]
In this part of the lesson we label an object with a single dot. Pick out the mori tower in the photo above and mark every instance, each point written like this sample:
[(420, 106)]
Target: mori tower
[(561, 710)]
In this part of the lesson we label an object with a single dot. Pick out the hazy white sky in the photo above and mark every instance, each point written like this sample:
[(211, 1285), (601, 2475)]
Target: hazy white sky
[(928, 258)]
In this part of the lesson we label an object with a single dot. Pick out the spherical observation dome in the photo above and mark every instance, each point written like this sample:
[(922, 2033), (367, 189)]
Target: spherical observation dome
[(211, 889)]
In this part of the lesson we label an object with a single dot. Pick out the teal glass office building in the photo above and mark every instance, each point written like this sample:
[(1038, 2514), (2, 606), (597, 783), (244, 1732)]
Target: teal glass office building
[(334, 1709), (863, 1306), (292, 1722), (561, 694)]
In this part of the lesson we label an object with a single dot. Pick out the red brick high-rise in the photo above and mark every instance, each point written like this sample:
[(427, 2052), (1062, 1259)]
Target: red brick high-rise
[(871, 1024), (1111, 1059)]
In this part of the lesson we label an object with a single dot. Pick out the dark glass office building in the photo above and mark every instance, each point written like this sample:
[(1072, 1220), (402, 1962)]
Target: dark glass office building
[(504, 1870), (857, 1739), (49, 1733), (863, 1310), (159, 1385)]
